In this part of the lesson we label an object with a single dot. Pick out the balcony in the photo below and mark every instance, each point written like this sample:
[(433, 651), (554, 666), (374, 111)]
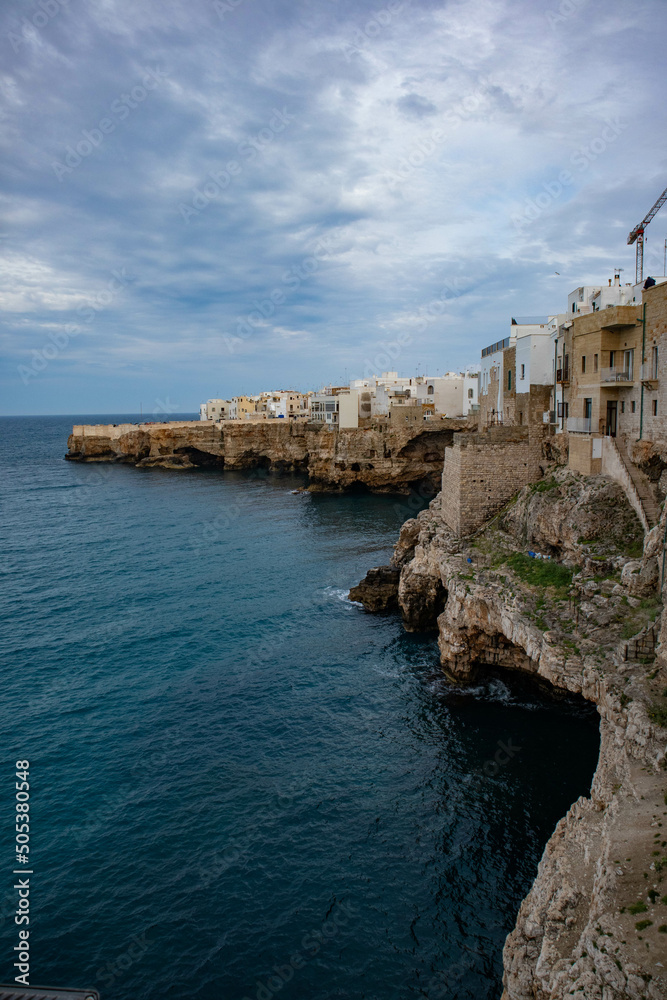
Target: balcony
[(649, 372), (563, 376), (618, 375), (616, 318), (579, 425)]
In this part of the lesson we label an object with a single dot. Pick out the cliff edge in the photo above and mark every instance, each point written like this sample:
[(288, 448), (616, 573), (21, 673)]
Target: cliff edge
[(384, 457), (589, 621)]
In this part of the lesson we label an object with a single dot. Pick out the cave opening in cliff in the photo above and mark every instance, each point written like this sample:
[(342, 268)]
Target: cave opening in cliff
[(202, 459)]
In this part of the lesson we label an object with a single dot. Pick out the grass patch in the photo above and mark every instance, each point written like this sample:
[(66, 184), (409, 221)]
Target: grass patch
[(638, 907), (540, 572), (635, 549), (658, 714), (544, 485), (641, 925)]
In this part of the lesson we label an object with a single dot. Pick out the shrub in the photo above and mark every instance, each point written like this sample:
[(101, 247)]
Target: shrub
[(641, 925), (638, 907)]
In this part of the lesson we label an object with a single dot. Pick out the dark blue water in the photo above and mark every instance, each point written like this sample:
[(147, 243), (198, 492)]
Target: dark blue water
[(241, 784)]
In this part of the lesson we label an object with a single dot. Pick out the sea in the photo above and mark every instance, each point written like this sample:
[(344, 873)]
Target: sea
[(242, 785)]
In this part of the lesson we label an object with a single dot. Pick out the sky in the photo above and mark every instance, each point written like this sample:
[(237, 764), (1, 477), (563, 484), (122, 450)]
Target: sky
[(206, 198)]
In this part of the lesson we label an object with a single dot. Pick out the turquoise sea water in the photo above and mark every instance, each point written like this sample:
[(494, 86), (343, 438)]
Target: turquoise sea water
[(241, 784)]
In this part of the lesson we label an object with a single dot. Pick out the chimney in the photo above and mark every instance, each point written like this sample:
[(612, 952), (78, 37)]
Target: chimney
[(610, 282)]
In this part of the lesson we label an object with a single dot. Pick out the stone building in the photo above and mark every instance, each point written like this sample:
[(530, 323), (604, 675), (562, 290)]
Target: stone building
[(215, 409)]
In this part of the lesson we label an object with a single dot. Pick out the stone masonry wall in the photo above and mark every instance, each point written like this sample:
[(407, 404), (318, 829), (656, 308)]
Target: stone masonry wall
[(483, 471), (655, 427)]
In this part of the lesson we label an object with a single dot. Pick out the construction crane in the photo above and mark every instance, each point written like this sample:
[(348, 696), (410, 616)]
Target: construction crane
[(637, 235)]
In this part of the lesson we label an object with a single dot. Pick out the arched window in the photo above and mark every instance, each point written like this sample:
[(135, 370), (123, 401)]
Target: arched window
[(430, 390)]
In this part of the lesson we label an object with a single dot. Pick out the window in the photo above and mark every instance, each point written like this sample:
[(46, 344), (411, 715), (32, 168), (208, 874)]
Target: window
[(430, 390), (509, 379), (583, 363), (655, 407), (622, 406), (574, 307), (628, 363), (588, 408), (595, 362), (470, 393), (654, 363), (633, 406), (611, 358), (523, 371)]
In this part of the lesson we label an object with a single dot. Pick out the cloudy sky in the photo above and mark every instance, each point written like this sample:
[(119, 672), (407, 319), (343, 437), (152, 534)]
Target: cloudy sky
[(210, 197)]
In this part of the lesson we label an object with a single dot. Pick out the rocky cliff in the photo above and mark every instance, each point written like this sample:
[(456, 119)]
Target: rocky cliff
[(594, 924), (381, 457)]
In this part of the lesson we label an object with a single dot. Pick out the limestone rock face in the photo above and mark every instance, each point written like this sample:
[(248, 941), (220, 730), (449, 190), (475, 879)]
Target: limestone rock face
[(380, 457), (567, 515), (378, 591), (574, 934)]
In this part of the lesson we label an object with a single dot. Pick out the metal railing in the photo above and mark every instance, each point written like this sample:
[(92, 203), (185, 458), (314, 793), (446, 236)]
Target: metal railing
[(579, 425), (616, 374), (649, 372)]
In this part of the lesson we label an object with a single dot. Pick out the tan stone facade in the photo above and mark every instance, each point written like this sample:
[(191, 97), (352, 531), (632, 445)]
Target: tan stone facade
[(655, 388), (483, 471), (531, 406), (488, 401), (509, 386), (604, 358)]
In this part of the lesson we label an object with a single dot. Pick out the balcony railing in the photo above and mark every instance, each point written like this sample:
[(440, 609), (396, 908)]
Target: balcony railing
[(616, 374), (579, 425), (649, 372), (563, 375)]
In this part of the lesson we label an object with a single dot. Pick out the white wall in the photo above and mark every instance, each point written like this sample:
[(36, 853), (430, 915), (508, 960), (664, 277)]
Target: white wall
[(535, 352)]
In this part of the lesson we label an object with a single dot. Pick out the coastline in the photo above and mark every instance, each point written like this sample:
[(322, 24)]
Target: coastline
[(576, 930), (593, 923), (380, 457)]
